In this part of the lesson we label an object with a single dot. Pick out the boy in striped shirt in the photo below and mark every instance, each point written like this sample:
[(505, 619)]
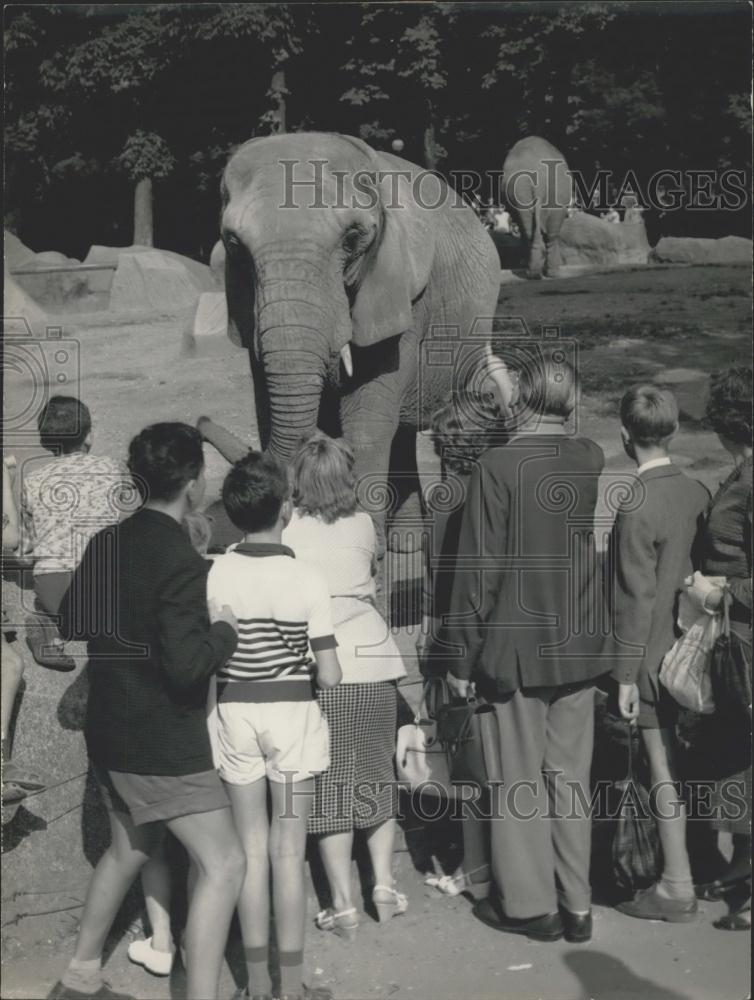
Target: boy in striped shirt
[(271, 736)]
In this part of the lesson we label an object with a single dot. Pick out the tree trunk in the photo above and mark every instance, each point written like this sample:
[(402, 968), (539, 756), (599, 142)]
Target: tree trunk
[(143, 227), (277, 88), (430, 143)]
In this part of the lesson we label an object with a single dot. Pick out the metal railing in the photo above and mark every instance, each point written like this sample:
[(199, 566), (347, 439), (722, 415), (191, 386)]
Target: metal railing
[(63, 268)]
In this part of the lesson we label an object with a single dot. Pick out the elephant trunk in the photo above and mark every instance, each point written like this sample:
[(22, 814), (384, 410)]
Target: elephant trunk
[(294, 348), (294, 386)]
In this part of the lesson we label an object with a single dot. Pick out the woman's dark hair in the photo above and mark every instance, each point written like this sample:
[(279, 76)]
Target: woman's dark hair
[(163, 458), (254, 491), (324, 483), (64, 424), (729, 404), (463, 429)]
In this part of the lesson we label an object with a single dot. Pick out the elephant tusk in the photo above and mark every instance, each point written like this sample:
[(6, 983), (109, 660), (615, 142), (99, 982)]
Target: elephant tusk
[(345, 355)]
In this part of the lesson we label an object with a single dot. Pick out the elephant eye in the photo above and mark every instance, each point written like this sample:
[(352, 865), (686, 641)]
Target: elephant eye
[(353, 239)]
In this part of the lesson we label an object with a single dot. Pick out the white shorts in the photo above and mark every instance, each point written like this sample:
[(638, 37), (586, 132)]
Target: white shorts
[(284, 740)]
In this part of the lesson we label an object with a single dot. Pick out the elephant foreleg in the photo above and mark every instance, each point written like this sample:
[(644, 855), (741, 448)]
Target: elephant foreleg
[(406, 520), (552, 242), (553, 258), (537, 246), (369, 418)]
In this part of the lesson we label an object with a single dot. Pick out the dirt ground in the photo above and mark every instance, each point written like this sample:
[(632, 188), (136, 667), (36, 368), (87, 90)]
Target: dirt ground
[(671, 325)]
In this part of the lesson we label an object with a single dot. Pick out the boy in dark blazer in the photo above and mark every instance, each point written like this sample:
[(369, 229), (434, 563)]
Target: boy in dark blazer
[(651, 550)]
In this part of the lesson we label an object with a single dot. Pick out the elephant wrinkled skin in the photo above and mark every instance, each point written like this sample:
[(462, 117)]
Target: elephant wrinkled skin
[(338, 271), (538, 190)]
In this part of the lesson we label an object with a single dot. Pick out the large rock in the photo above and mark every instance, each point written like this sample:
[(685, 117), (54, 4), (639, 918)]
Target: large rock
[(16, 253), (21, 314), (206, 333), (586, 240), (200, 273), (56, 282), (157, 281), (51, 258), (692, 250)]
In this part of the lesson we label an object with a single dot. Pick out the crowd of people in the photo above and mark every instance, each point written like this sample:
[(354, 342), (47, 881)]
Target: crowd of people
[(244, 700)]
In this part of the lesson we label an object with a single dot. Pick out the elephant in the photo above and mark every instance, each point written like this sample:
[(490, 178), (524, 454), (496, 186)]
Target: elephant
[(343, 267), (538, 190)]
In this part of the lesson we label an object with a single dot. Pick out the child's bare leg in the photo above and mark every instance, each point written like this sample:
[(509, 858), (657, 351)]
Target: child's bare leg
[(291, 805), (12, 672), (380, 840), (130, 847), (671, 814), (192, 877), (213, 846), (335, 850), (155, 883), (252, 822)]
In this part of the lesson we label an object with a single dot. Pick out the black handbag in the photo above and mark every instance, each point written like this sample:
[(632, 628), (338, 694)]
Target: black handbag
[(730, 670), (636, 844), (468, 732)]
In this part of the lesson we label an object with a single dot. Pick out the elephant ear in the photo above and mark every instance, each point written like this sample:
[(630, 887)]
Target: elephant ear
[(396, 270), (239, 299)]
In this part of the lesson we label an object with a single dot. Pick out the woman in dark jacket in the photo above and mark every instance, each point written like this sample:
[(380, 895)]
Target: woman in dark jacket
[(462, 430), (726, 552)]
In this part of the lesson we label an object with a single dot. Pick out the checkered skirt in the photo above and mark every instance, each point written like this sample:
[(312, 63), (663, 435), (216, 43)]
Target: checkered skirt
[(358, 791)]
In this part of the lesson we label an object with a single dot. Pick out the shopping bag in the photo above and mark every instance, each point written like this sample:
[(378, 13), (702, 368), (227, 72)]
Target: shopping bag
[(686, 668), (468, 732), (730, 671), (636, 844), (420, 758)]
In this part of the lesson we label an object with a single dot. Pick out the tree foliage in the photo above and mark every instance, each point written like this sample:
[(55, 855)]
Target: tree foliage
[(100, 97)]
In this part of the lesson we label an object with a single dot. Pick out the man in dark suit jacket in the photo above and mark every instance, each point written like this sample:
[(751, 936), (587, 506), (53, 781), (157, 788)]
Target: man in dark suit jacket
[(651, 555), (526, 617)]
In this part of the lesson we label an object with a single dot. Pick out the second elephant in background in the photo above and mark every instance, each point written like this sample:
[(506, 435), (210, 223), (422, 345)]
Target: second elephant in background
[(538, 190)]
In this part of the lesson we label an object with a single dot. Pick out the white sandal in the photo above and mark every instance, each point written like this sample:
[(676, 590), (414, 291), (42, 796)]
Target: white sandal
[(159, 963), (448, 885), (338, 922), (393, 907)]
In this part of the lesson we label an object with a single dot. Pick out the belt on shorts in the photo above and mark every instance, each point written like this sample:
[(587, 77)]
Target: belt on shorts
[(262, 692)]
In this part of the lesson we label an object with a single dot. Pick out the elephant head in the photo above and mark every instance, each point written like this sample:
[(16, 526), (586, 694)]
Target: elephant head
[(325, 247)]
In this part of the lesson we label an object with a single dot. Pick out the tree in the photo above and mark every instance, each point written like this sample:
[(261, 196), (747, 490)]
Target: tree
[(118, 67), (110, 107), (38, 129), (397, 65), (537, 48), (145, 158)]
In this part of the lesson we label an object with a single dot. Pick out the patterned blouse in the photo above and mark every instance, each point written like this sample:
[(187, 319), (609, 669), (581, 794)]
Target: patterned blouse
[(68, 500)]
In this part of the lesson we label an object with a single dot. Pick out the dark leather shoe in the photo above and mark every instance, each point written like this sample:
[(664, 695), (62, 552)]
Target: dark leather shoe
[(548, 927), (648, 905), (578, 926)]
